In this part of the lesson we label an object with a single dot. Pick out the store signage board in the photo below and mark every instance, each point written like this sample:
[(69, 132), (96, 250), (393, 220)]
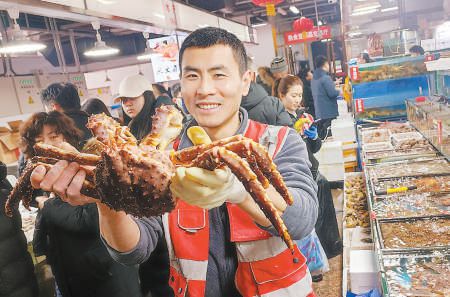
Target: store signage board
[(292, 37), (165, 61)]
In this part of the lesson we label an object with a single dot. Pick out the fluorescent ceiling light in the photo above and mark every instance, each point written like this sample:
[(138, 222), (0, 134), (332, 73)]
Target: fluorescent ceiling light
[(19, 43), (100, 48), (203, 25), (367, 7), (364, 12), (354, 34), (389, 9), (259, 25), (294, 9), (21, 46), (159, 15), (320, 23)]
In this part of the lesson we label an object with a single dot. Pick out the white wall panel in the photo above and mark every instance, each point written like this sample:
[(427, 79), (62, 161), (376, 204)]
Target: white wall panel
[(191, 19), (8, 99), (150, 11)]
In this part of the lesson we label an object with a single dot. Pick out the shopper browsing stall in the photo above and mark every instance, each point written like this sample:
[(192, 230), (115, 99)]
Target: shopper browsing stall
[(325, 96), (290, 91), (214, 79)]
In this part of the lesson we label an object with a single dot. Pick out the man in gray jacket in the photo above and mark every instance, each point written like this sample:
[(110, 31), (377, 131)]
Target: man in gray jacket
[(214, 79), (261, 107), (325, 96)]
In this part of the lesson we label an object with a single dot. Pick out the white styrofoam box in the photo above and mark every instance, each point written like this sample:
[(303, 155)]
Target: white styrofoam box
[(363, 271), (342, 107), (349, 146), (333, 172), (343, 129), (330, 153)]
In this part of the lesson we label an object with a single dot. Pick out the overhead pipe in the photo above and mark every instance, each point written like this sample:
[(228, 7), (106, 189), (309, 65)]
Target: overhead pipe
[(58, 42), (49, 22), (74, 50)]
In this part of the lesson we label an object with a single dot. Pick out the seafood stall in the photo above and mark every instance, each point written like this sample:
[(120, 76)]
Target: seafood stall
[(401, 201), (381, 88)]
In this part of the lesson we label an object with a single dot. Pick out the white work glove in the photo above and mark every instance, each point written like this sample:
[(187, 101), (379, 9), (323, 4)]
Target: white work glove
[(207, 189)]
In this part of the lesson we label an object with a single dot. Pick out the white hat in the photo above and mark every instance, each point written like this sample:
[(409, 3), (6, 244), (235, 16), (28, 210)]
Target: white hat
[(133, 86)]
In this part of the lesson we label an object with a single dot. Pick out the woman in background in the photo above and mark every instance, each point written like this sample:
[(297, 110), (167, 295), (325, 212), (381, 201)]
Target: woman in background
[(69, 235), (290, 91), (95, 106), (139, 104)]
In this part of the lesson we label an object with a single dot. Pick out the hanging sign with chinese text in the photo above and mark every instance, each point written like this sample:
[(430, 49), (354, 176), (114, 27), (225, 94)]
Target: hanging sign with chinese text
[(292, 37)]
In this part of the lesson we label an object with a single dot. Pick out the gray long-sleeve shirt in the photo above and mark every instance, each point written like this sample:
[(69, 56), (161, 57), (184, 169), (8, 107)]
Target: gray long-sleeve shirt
[(300, 218)]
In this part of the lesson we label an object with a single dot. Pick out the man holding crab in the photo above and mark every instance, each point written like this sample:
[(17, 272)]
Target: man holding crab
[(219, 241)]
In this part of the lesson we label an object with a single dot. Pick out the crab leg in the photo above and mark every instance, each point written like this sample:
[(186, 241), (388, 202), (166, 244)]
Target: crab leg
[(213, 158), (46, 150), (188, 154), (52, 161), (24, 191), (246, 148)]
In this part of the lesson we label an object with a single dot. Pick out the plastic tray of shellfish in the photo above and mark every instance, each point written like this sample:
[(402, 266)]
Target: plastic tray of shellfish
[(410, 197), (416, 274), (356, 211), (409, 168), (409, 235)]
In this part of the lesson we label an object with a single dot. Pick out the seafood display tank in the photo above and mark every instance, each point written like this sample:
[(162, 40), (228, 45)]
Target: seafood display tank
[(381, 88)]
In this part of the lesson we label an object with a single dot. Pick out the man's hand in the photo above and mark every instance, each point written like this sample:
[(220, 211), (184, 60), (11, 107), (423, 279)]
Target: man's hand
[(64, 179), (207, 189)]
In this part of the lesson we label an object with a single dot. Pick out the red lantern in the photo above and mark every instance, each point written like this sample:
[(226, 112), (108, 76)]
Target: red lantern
[(303, 24), (265, 2)]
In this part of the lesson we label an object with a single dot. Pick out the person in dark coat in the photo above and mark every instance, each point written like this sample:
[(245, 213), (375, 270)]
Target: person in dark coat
[(69, 235), (308, 102), (290, 90), (261, 107), (63, 97), (325, 96), (17, 278)]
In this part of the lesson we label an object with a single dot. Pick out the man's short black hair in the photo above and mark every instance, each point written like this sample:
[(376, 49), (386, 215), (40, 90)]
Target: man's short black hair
[(210, 36), (417, 49), (64, 94), (320, 61)]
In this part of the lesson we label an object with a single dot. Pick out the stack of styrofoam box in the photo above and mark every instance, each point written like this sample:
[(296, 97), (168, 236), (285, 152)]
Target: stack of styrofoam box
[(331, 160), (343, 129), (364, 271)]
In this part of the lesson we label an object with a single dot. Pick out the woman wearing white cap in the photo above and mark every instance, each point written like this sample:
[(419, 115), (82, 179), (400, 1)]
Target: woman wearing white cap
[(139, 104)]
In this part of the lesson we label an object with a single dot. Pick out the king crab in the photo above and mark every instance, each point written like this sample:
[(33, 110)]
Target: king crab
[(135, 178)]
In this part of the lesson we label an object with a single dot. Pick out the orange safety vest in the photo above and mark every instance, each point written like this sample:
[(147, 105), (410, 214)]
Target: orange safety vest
[(266, 266)]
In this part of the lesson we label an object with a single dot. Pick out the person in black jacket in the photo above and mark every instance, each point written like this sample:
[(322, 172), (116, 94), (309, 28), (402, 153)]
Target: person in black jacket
[(68, 235), (308, 102), (261, 107), (290, 91), (17, 278), (63, 97)]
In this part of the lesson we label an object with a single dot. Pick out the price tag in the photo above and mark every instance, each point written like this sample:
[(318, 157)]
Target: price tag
[(354, 73), (359, 105), (439, 131)]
